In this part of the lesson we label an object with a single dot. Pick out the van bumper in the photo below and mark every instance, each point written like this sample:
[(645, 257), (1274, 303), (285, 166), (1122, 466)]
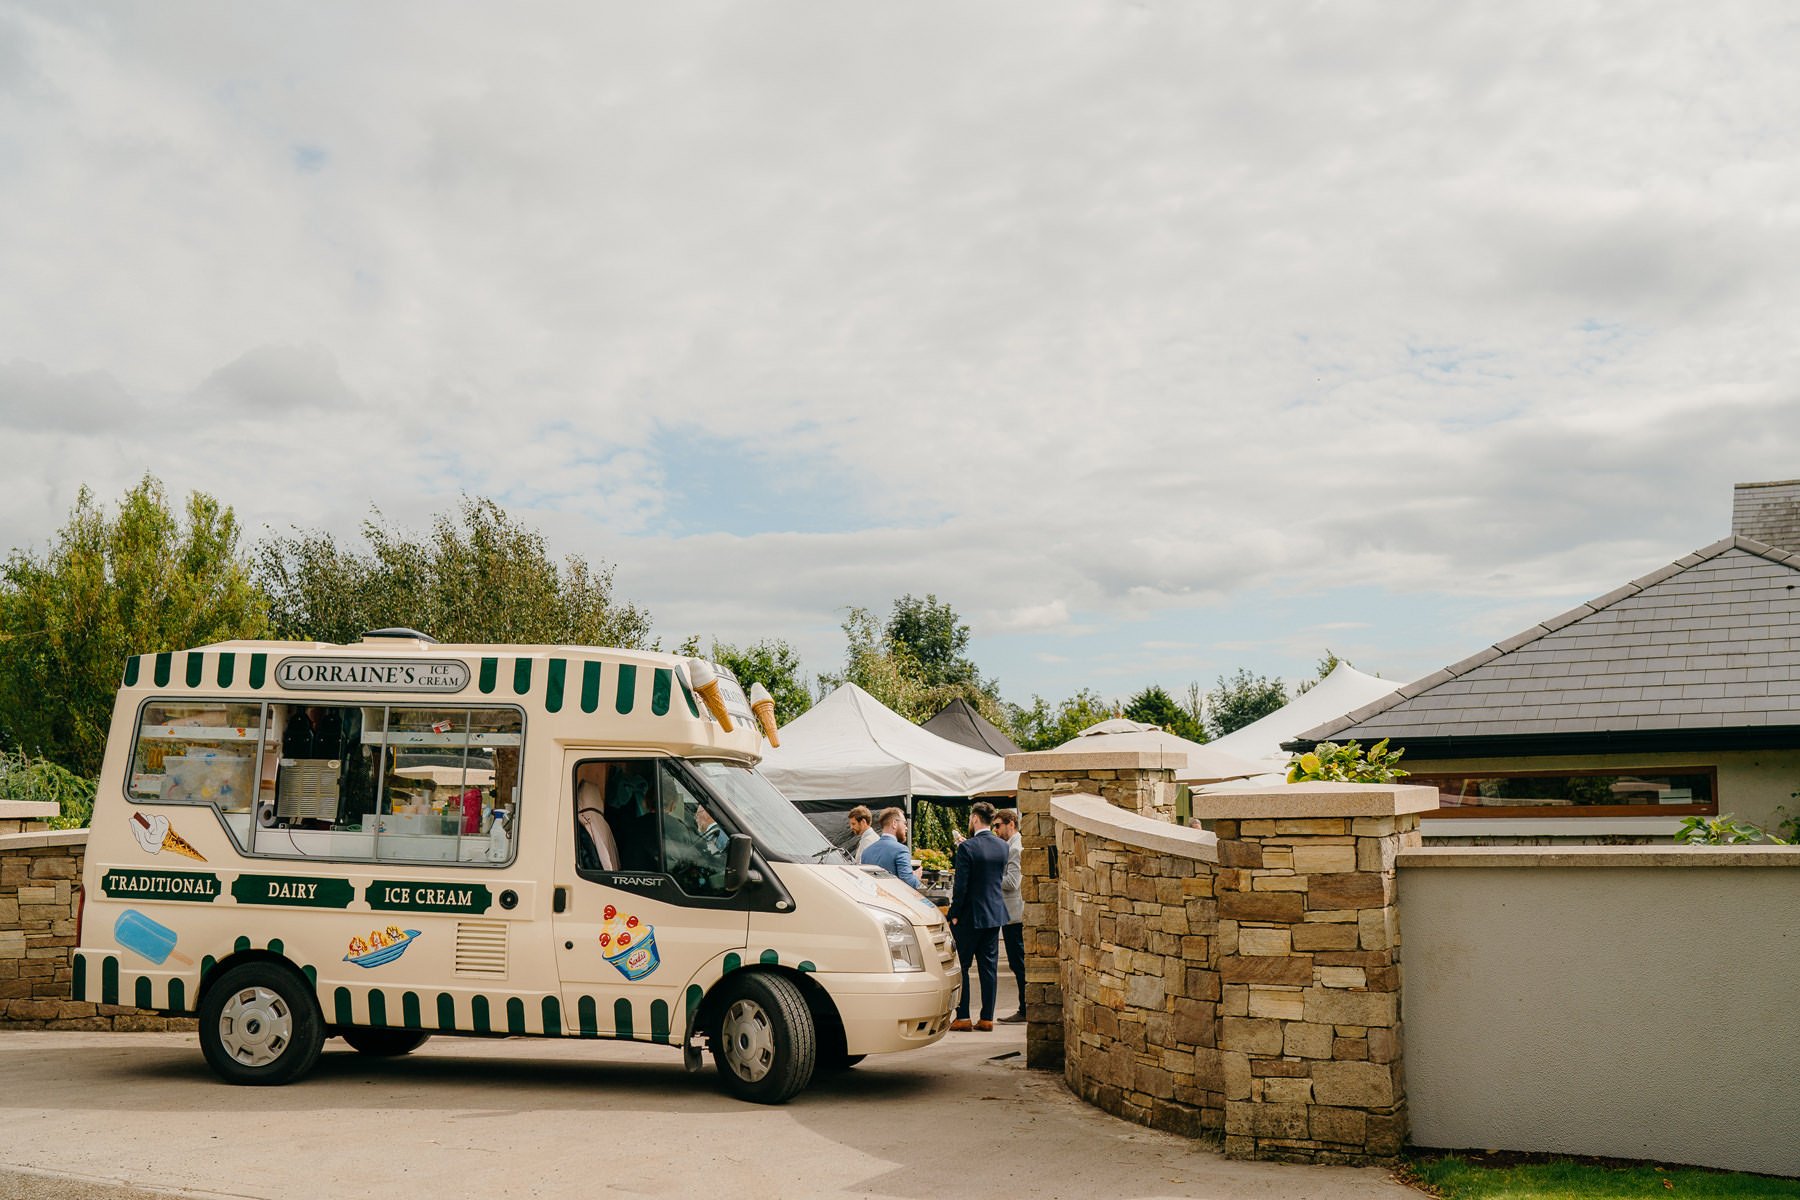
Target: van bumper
[(885, 1013)]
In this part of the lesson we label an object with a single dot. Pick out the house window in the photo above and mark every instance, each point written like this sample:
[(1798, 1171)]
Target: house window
[(1656, 792)]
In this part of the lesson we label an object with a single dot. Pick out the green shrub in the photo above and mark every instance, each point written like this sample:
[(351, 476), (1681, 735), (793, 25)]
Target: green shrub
[(1724, 830), (1329, 762), (25, 778)]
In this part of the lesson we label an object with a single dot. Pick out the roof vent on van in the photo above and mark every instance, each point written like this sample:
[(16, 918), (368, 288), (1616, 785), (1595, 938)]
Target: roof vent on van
[(375, 635)]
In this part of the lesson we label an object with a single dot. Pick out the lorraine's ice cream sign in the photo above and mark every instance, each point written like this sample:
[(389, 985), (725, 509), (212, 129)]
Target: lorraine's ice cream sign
[(371, 675)]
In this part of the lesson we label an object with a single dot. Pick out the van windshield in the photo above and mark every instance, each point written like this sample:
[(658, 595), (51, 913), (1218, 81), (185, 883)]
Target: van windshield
[(779, 826)]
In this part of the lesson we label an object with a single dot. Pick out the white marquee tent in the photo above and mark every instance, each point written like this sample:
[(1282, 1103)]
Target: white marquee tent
[(1205, 763), (851, 749), (1344, 690)]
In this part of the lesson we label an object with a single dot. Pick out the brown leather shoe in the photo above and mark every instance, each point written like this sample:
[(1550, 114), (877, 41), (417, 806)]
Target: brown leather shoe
[(984, 1027), (960, 1025)]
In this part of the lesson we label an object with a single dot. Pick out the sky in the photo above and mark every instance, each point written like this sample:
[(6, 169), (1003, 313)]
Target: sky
[(1159, 339)]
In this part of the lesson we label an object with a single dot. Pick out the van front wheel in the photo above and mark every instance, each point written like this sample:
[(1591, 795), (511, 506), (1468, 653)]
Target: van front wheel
[(766, 1046), (260, 1025)]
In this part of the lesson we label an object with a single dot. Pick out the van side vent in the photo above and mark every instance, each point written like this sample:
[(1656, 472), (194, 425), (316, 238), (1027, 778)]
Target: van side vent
[(481, 948)]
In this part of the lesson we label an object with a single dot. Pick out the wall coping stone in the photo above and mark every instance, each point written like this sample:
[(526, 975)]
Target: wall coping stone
[(42, 837), (1316, 800), (1092, 814), (1096, 760), (28, 810), (1600, 856)]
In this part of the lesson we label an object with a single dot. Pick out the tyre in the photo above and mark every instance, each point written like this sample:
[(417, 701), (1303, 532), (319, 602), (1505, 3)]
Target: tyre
[(383, 1043), (765, 1046), (260, 1025)]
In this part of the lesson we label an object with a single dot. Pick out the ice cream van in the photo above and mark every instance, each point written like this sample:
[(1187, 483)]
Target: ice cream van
[(397, 838)]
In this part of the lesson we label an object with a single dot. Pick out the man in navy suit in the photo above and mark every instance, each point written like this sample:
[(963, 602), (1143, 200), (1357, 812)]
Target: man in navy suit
[(977, 912)]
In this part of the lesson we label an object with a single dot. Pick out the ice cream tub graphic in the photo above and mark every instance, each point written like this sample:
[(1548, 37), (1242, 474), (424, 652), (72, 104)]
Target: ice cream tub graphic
[(628, 944), (381, 947), (148, 937)]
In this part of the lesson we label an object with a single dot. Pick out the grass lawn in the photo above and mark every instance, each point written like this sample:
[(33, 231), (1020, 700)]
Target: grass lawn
[(1460, 1178)]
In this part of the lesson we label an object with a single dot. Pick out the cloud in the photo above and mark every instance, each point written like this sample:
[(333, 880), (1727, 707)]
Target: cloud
[(276, 382), (34, 398), (1088, 318)]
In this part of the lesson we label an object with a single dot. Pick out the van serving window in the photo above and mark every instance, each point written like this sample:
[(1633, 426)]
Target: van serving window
[(344, 782)]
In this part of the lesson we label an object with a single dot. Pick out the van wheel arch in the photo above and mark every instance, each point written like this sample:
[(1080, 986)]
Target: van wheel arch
[(218, 969), (828, 1025)]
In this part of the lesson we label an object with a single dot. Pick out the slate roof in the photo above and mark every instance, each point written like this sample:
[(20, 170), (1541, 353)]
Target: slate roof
[(1709, 642)]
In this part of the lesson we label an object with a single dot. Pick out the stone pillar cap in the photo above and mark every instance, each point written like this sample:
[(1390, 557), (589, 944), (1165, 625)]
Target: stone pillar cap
[(1095, 760), (1316, 800), (29, 810)]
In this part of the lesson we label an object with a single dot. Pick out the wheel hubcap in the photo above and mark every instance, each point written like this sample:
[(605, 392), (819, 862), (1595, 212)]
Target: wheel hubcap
[(749, 1040), (256, 1026)]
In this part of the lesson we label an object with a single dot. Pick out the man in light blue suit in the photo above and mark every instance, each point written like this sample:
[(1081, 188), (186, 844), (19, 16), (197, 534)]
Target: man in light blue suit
[(889, 850)]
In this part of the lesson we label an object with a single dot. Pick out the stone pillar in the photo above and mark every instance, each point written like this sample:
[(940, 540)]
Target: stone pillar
[(1137, 781), (1309, 962)]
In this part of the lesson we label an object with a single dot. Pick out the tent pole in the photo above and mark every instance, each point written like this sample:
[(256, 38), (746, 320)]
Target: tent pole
[(909, 822)]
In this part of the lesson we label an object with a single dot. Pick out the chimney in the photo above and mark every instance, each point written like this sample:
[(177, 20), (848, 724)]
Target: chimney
[(1768, 512)]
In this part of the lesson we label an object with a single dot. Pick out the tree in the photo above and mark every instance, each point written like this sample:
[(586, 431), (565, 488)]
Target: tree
[(1242, 699), (1041, 727), (930, 633), (479, 576), (890, 669), (143, 580), (774, 664), (1153, 706)]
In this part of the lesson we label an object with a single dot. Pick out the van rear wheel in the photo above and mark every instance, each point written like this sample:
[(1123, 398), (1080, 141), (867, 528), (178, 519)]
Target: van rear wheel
[(383, 1043), (765, 1047), (260, 1025)]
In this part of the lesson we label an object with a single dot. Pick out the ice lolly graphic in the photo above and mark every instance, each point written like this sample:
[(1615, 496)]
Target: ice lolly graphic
[(154, 835), (706, 682), (763, 705), (152, 939)]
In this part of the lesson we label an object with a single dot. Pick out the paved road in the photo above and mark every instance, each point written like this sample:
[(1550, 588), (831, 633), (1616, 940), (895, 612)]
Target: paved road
[(91, 1116)]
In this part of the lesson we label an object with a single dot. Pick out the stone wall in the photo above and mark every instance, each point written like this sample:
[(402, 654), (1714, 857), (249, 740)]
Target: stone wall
[(40, 877), (25, 816), (1132, 781), (1140, 986), (1246, 983)]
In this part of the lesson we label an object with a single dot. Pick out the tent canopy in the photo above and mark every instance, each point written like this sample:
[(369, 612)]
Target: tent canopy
[(960, 722), (851, 749), (1205, 763), (1344, 690), (850, 746)]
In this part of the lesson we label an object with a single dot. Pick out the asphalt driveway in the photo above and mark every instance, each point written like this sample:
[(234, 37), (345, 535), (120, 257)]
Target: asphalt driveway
[(100, 1116)]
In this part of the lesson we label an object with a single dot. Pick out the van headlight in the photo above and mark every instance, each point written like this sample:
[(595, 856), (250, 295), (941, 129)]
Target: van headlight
[(902, 942)]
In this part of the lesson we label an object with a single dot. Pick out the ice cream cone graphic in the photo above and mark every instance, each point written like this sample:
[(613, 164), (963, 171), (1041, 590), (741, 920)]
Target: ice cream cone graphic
[(763, 705), (155, 835), (706, 682)]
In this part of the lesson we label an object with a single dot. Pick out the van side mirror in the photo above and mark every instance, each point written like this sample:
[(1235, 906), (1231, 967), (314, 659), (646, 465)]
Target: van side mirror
[(737, 863)]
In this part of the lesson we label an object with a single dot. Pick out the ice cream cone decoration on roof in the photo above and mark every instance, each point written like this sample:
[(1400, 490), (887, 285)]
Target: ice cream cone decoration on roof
[(706, 683), (763, 705)]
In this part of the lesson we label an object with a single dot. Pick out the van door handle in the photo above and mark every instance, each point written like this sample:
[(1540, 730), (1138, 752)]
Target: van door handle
[(559, 899)]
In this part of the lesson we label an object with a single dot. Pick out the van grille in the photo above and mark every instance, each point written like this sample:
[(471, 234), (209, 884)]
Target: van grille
[(481, 948), (946, 948)]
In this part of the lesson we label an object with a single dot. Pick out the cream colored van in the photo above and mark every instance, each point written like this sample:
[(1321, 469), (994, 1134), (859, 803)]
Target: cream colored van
[(294, 841)]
